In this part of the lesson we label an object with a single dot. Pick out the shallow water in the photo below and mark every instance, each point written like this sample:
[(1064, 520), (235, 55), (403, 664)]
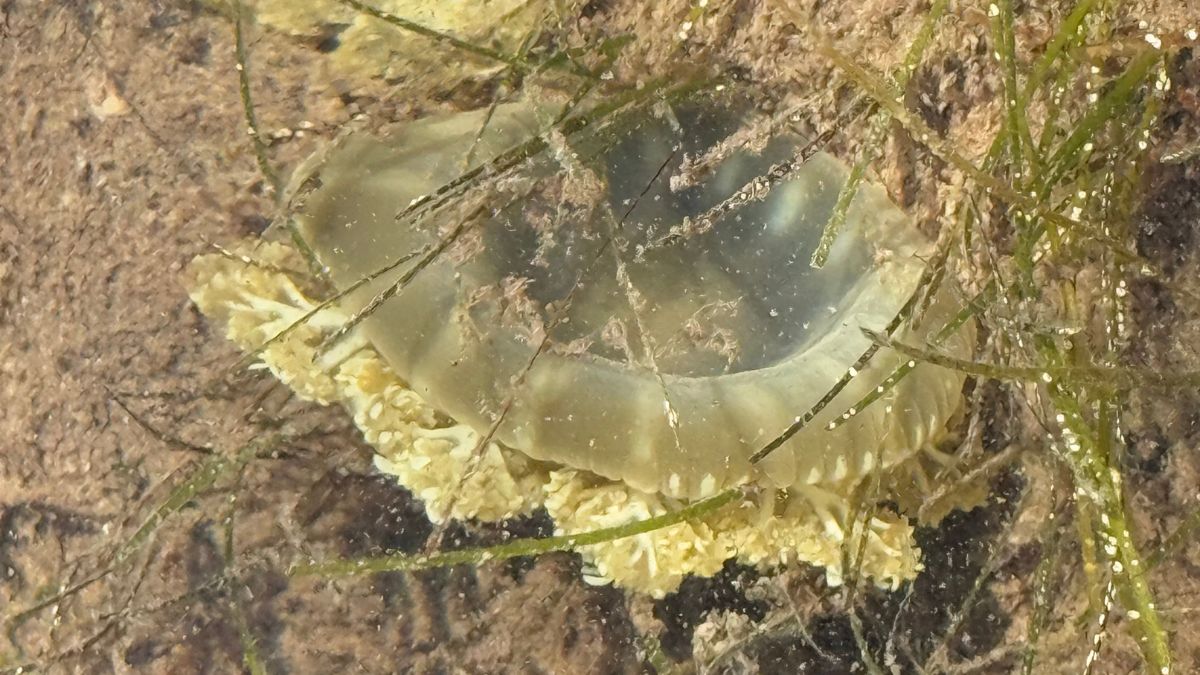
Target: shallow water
[(127, 156)]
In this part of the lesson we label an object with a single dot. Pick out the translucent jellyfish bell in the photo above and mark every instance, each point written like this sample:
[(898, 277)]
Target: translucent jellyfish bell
[(603, 305)]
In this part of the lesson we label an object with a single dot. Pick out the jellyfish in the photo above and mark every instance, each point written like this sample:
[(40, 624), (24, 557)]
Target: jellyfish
[(609, 318)]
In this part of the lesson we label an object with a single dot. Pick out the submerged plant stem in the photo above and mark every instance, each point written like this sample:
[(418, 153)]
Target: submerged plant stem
[(260, 147), (876, 135), (520, 547), (437, 36)]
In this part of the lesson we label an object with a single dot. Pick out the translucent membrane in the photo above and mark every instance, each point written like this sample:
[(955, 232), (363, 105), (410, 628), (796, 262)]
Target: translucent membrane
[(674, 337)]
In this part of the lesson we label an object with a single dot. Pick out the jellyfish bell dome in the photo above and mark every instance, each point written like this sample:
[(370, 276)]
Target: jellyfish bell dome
[(633, 299)]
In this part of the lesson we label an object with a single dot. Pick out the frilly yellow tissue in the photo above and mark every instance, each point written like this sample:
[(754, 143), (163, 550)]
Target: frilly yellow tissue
[(253, 290)]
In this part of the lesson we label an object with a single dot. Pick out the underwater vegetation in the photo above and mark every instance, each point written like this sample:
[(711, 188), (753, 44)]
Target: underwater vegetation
[(680, 315)]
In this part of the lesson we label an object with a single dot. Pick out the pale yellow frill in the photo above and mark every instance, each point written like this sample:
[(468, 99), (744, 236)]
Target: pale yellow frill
[(255, 292)]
